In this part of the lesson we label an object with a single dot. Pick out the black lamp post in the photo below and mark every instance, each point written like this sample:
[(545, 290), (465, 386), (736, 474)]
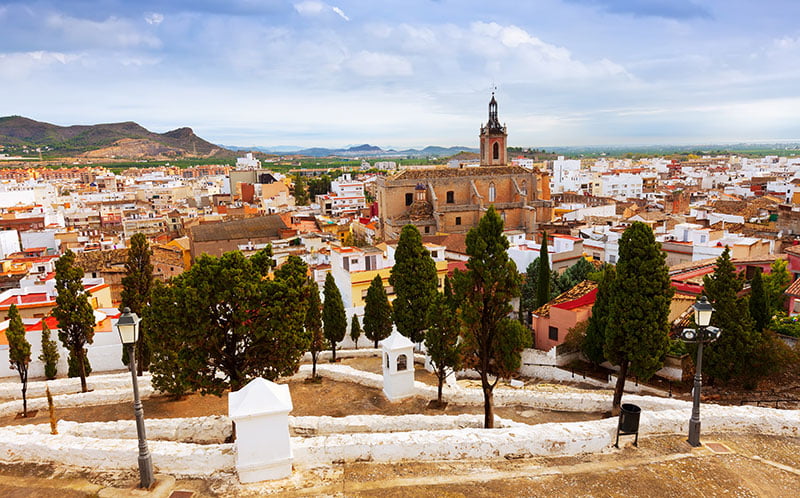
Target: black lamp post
[(705, 333), (128, 328)]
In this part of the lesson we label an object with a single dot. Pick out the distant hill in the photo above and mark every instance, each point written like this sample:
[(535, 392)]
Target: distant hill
[(123, 140), (363, 151)]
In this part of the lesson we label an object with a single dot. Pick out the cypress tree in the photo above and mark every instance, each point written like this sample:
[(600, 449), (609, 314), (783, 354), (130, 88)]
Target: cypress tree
[(493, 342), (49, 354), (775, 283), (74, 314), (441, 338), (377, 312), (313, 325), (595, 339), (759, 307), (544, 277), (637, 331), (355, 330), (19, 352), (136, 285), (414, 280), (731, 355), (334, 319)]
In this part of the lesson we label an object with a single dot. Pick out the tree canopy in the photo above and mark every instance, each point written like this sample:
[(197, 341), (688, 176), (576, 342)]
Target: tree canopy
[(414, 280), (19, 352), (136, 285), (493, 342), (637, 330), (442, 336), (595, 339), (334, 319), (377, 312), (223, 323), (313, 325), (543, 274), (74, 314)]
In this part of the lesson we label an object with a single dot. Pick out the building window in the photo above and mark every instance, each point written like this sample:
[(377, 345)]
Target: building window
[(524, 187), (496, 150), (370, 263), (346, 263), (553, 333), (402, 363), (451, 197), (492, 192), (409, 199), (427, 229), (458, 220)]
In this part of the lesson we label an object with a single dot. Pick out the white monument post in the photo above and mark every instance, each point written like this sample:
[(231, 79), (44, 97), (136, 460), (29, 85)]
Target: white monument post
[(261, 412), (398, 367)]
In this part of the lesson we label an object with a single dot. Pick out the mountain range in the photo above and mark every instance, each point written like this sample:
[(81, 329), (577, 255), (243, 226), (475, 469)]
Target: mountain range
[(120, 140), (364, 150)]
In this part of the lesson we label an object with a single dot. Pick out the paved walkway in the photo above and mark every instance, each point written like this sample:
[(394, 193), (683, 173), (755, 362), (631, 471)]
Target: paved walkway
[(727, 464)]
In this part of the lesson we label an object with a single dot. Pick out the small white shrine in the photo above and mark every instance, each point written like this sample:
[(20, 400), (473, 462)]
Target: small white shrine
[(398, 367), (261, 413)]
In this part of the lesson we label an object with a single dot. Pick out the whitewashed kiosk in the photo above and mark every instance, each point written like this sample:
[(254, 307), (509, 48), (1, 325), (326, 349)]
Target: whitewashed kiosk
[(398, 367), (261, 412)]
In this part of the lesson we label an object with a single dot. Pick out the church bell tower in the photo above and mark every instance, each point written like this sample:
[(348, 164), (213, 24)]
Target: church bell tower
[(493, 139)]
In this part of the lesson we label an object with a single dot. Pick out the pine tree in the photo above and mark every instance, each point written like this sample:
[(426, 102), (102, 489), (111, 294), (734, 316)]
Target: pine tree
[(441, 338), (544, 275), (759, 307), (136, 285), (415, 281), (637, 331), (334, 320), (49, 354), (313, 325), (355, 330), (576, 274), (299, 191), (19, 352), (223, 323), (377, 312), (731, 355), (595, 339), (493, 342), (74, 314), (527, 298)]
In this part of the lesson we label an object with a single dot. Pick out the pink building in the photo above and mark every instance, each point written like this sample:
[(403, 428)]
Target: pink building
[(552, 321)]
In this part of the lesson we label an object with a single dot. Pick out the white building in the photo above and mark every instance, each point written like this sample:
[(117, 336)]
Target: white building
[(566, 175), (621, 185), (346, 197), (248, 162)]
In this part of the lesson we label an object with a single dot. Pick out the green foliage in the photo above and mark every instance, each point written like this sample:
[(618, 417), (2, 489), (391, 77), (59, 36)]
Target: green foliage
[(414, 279), (731, 356), (49, 354), (136, 285), (19, 351), (300, 191), (543, 274), (775, 283), (759, 306), (575, 274), (441, 338), (786, 325), (575, 337), (377, 312), (262, 261), (334, 319), (355, 330), (74, 313), (637, 328), (313, 326), (527, 297), (493, 342), (595, 340), (223, 323), (319, 186), (73, 369)]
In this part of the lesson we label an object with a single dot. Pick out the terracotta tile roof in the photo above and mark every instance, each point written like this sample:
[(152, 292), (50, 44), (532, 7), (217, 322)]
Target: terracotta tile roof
[(794, 289), (575, 293), (258, 227)]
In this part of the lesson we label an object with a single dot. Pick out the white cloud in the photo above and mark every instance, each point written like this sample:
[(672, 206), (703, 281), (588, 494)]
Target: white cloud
[(113, 31), (17, 65), (154, 18), (375, 64), (341, 13), (315, 8)]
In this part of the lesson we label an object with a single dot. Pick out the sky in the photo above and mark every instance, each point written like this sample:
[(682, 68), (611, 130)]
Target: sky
[(410, 73)]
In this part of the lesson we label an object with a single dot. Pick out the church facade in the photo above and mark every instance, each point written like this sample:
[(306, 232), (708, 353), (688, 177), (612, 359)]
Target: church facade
[(453, 199)]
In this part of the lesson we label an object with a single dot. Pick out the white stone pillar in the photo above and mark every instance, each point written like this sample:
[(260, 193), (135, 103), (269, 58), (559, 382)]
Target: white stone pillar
[(261, 413), (398, 367)]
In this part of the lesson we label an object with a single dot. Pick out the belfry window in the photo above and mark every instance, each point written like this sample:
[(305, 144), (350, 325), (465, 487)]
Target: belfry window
[(496, 151), (492, 192)]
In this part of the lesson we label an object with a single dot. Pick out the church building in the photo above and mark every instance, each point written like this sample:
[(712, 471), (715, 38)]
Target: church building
[(453, 199)]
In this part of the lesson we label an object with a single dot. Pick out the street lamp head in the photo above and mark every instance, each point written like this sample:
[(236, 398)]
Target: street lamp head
[(702, 312), (712, 333), (688, 335), (128, 326)]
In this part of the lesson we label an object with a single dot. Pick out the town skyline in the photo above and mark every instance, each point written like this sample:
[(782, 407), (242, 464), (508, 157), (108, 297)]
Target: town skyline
[(310, 73)]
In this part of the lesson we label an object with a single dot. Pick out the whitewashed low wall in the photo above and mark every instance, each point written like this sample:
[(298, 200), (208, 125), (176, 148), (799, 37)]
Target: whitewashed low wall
[(343, 353), (178, 459), (13, 390), (102, 397), (308, 426)]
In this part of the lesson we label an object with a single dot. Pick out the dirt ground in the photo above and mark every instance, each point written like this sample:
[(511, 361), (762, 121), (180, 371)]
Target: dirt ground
[(335, 399)]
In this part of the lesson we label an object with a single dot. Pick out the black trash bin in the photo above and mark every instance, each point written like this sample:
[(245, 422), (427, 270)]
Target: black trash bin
[(628, 422)]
